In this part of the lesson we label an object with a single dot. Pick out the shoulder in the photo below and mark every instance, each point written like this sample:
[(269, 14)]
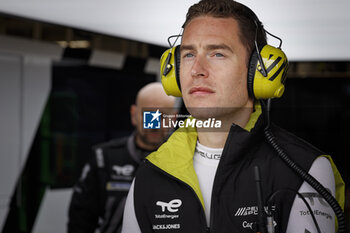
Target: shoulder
[(105, 153), (292, 141), (114, 143), (297, 149), (148, 176), (322, 170)]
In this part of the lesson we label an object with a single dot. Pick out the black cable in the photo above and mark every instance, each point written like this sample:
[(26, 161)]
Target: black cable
[(303, 174), (308, 178), (302, 198)]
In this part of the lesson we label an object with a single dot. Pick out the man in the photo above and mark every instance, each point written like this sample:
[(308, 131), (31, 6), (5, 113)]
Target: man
[(99, 196), (203, 181)]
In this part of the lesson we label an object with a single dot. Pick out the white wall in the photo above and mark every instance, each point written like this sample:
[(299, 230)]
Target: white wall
[(53, 212), (25, 82), (10, 120)]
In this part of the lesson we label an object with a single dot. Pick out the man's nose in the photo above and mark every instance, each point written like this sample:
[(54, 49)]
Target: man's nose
[(199, 67)]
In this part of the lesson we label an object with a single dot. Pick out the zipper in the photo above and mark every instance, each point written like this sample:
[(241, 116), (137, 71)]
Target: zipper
[(207, 228), (215, 178)]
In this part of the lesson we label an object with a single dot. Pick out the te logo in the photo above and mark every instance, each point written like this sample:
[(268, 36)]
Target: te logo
[(126, 170), (313, 196), (151, 120), (172, 206)]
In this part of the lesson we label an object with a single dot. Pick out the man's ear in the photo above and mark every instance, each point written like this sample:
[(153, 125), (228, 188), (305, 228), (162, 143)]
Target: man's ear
[(133, 114)]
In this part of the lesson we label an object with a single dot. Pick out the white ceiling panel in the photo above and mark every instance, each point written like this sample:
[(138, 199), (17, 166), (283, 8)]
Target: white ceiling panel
[(312, 30)]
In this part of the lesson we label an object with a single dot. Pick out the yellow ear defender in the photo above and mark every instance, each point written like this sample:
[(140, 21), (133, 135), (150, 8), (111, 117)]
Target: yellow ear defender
[(169, 71), (267, 71)]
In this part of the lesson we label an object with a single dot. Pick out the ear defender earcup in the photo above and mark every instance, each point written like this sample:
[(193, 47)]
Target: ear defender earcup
[(276, 65), (170, 71)]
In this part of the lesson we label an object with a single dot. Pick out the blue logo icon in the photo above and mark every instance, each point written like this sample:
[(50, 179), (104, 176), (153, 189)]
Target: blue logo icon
[(151, 120)]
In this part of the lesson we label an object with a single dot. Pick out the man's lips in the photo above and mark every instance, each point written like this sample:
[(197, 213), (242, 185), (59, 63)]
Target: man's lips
[(201, 90)]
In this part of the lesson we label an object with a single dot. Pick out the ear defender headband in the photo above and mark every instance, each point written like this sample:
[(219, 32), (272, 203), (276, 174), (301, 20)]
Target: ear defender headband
[(267, 70)]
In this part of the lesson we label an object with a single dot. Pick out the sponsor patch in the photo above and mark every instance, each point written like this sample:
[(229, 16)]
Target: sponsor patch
[(117, 186)]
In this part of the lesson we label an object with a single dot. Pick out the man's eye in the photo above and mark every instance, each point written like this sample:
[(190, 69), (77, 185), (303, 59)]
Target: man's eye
[(188, 55), (219, 55)]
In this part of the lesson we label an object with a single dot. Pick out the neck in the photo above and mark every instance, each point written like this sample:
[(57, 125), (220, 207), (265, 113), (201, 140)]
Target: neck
[(141, 144), (212, 139), (217, 139)]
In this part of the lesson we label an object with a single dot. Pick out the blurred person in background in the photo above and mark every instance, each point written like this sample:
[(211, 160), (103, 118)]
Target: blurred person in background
[(99, 196)]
